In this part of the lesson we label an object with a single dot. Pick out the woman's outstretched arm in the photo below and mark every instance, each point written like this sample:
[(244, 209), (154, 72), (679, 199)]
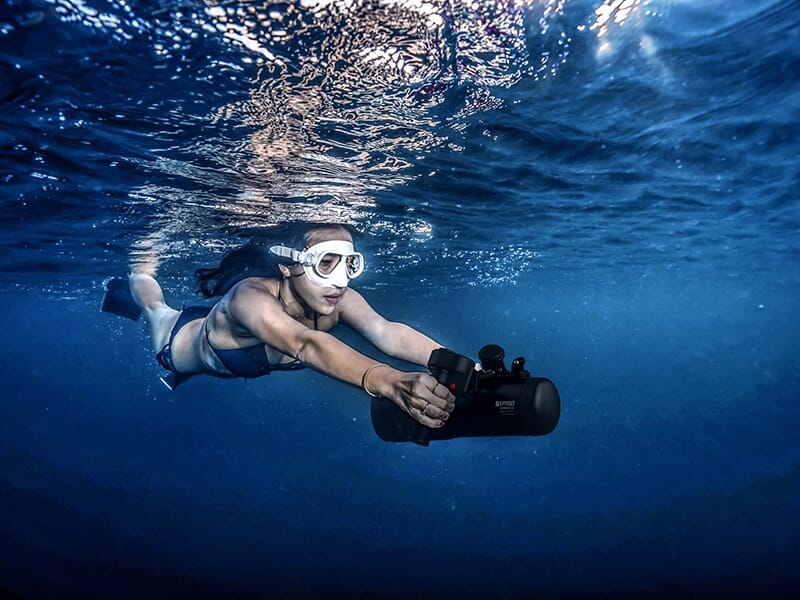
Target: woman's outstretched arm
[(392, 338), (419, 394)]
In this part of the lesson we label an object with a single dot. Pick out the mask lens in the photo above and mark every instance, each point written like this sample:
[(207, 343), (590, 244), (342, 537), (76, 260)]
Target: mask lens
[(354, 265), (328, 263)]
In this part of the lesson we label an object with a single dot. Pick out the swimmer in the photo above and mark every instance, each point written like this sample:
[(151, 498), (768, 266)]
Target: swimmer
[(264, 323)]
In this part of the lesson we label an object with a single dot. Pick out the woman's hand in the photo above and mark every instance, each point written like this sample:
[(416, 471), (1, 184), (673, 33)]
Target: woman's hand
[(418, 394)]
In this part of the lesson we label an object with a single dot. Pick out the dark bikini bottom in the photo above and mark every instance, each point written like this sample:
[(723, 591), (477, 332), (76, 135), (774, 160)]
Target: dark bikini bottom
[(164, 357)]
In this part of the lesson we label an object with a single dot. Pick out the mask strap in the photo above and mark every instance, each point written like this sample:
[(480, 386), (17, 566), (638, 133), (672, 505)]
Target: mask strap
[(287, 252)]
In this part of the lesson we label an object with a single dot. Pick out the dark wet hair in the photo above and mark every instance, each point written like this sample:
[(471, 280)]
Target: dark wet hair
[(255, 260), (247, 261)]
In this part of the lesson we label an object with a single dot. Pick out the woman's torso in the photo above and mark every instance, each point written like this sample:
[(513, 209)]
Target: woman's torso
[(226, 347)]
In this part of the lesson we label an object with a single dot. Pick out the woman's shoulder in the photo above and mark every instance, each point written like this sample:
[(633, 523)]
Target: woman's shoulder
[(250, 285), (248, 291), (354, 307)]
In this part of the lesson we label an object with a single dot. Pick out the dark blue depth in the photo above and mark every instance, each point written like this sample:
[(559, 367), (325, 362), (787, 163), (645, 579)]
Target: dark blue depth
[(621, 208)]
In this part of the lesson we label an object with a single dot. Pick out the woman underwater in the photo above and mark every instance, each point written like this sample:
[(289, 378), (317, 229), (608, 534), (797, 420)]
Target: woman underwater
[(268, 323)]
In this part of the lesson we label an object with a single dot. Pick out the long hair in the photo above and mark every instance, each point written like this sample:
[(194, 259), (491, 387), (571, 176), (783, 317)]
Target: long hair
[(246, 261), (255, 260)]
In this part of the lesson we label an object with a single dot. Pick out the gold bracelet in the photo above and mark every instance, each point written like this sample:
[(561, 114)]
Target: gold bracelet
[(366, 374)]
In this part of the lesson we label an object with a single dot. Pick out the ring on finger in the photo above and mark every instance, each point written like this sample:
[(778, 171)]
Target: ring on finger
[(425, 408)]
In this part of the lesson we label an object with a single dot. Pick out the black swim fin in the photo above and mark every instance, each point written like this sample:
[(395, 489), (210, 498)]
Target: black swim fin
[(118, 299)]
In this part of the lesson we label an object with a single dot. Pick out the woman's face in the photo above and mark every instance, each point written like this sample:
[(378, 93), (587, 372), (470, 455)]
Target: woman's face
[(321, 299)]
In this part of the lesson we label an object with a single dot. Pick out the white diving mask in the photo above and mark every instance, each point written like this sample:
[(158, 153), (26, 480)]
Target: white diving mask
[(326, 264)]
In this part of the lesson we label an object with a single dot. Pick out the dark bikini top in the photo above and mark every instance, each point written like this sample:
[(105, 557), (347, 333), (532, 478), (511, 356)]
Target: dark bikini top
[(252, 361)]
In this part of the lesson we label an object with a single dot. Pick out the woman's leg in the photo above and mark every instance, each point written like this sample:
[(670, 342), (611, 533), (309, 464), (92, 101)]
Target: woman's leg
[(159, 316)]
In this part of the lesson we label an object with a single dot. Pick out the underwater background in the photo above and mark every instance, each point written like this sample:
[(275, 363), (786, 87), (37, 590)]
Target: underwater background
[(607, 188)]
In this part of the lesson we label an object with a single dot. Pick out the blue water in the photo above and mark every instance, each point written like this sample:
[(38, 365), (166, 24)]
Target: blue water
[(608, 189)]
